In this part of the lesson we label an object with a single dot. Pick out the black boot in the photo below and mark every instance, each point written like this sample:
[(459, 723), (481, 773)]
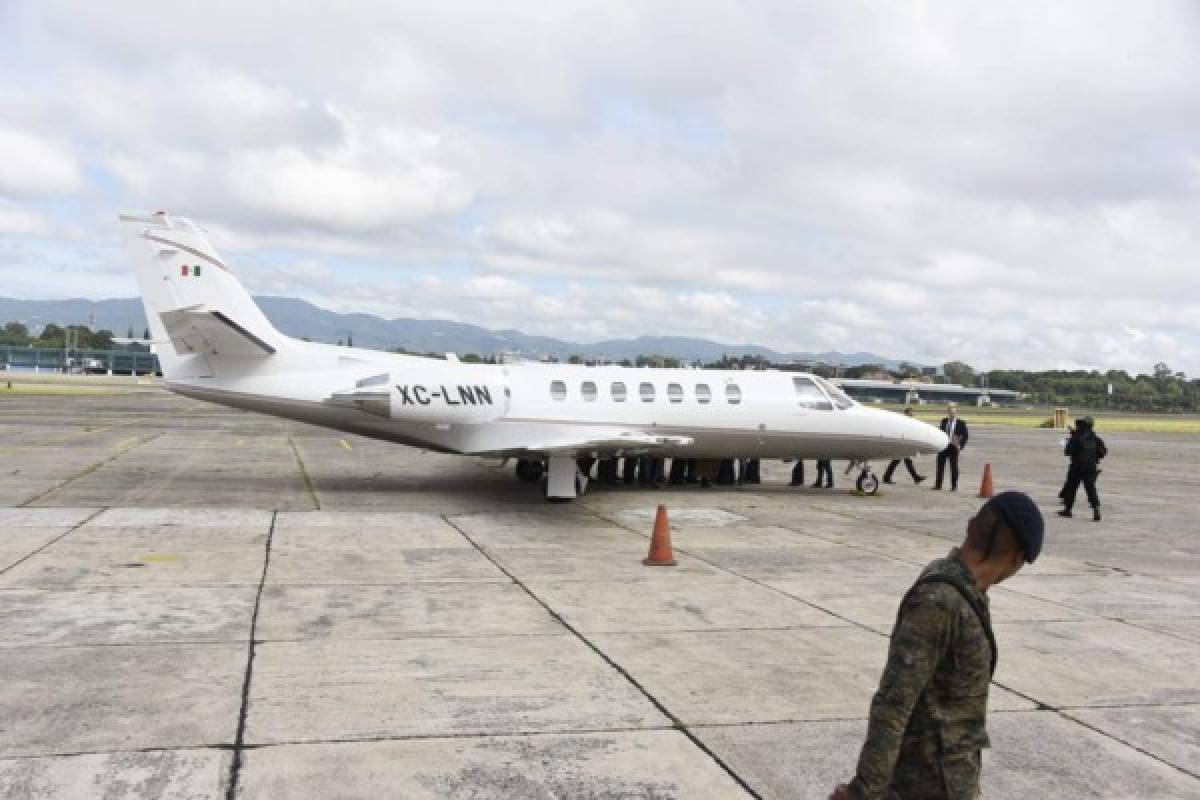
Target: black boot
[(1096, 513), (1066, 512)]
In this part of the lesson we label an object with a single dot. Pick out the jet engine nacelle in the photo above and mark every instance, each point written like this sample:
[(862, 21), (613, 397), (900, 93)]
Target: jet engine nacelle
[(452, 401)]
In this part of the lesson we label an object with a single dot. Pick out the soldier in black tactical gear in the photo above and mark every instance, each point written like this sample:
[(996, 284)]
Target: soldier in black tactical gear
[(1085, 450), (927, 725)]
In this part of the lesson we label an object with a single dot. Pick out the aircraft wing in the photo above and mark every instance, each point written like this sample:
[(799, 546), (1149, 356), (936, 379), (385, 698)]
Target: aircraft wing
[(570, 442)]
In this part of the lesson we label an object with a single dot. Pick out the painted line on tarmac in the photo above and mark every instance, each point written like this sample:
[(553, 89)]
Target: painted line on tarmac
[(304, 476), (62, 439)]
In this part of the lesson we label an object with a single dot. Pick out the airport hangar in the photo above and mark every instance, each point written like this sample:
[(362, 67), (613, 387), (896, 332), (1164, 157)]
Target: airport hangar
[(871, 391)]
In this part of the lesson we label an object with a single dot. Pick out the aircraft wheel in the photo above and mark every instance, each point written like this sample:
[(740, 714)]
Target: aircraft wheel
[(868, 483)]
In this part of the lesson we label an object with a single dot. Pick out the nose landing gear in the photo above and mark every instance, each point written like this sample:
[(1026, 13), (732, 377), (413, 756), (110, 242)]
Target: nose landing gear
[(868, 481)]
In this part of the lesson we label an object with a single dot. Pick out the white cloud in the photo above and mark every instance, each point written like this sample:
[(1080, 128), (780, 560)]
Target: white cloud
[(32, 166), (18, 221), (1013, 185)]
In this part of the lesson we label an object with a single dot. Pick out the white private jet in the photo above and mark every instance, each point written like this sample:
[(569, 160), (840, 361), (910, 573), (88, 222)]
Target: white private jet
[(214, 344)]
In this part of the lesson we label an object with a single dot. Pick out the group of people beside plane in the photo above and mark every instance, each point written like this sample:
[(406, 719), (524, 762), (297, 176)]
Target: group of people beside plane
[(651, 471)]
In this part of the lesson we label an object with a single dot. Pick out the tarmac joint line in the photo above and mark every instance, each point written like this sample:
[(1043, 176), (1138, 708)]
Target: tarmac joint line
[(58, 538), (240, 738), (676, 723)]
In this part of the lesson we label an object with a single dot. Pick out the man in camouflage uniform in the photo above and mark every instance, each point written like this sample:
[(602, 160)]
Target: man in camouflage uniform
[(927, 724)]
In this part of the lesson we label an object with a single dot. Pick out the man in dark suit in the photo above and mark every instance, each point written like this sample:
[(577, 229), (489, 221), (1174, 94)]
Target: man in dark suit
[(956, 429)]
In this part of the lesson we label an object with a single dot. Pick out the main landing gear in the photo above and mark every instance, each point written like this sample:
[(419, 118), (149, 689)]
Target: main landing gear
[(529, 470), (563, 478)]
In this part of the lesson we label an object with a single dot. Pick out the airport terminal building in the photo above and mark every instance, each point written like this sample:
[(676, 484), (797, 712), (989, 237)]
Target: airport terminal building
[(125, 359), (873, 391)]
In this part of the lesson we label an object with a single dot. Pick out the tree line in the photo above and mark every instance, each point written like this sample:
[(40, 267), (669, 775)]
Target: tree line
[(16, 334), (1162, 389)]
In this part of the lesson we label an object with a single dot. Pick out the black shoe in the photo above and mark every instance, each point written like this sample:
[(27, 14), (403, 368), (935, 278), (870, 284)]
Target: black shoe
[(795, 483), (918, 479), (888, 480), (1096, 514), (937, 488), (1066, 512)]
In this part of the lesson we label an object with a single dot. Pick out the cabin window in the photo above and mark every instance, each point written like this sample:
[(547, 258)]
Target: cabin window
[(674, 392), (618, 392), (646, 392), (809, 395), (558, 390), (588, 390), (703, 393), (733, 393)]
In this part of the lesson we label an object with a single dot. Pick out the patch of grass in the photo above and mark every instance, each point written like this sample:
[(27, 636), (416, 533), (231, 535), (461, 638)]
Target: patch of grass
[(53, 390), (1034, 418)]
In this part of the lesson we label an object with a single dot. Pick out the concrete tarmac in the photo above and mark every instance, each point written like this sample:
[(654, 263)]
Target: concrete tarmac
[(203, 603)]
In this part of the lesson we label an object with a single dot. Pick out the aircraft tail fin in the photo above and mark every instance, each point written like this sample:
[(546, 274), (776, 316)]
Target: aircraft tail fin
[(197, 310)]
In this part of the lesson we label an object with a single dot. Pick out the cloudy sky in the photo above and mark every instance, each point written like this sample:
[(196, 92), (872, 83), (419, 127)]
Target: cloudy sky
[(1012, 184)]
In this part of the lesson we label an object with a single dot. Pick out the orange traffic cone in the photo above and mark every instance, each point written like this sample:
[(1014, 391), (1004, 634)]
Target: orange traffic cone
[(660, 542), (985, 488)]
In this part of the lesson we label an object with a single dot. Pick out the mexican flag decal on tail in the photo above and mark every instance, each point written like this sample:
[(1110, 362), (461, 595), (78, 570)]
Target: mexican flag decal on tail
[(185, 271)]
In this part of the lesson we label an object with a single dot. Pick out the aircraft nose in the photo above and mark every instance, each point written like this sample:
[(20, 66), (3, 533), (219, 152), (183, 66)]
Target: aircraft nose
[(927, 437)]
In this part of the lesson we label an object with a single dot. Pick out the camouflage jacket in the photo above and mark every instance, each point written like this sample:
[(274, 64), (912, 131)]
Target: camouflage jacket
[(927, 722)]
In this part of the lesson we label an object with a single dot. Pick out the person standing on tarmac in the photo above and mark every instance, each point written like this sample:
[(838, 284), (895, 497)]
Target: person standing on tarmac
[(908, 464), (956, 430), (927, 725), (824, 473), (1085, 450)]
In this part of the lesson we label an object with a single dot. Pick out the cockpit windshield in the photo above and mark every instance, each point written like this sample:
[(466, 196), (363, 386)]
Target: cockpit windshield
[(839, 398)]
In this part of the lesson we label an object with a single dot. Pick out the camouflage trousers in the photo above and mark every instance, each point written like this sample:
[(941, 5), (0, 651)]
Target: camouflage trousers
[(945, 777)]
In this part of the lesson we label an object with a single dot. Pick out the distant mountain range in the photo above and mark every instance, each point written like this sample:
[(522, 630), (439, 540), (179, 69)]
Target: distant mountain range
[(300, 318)]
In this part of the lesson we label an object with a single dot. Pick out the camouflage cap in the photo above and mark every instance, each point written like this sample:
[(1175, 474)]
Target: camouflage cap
[(1022, 515)]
